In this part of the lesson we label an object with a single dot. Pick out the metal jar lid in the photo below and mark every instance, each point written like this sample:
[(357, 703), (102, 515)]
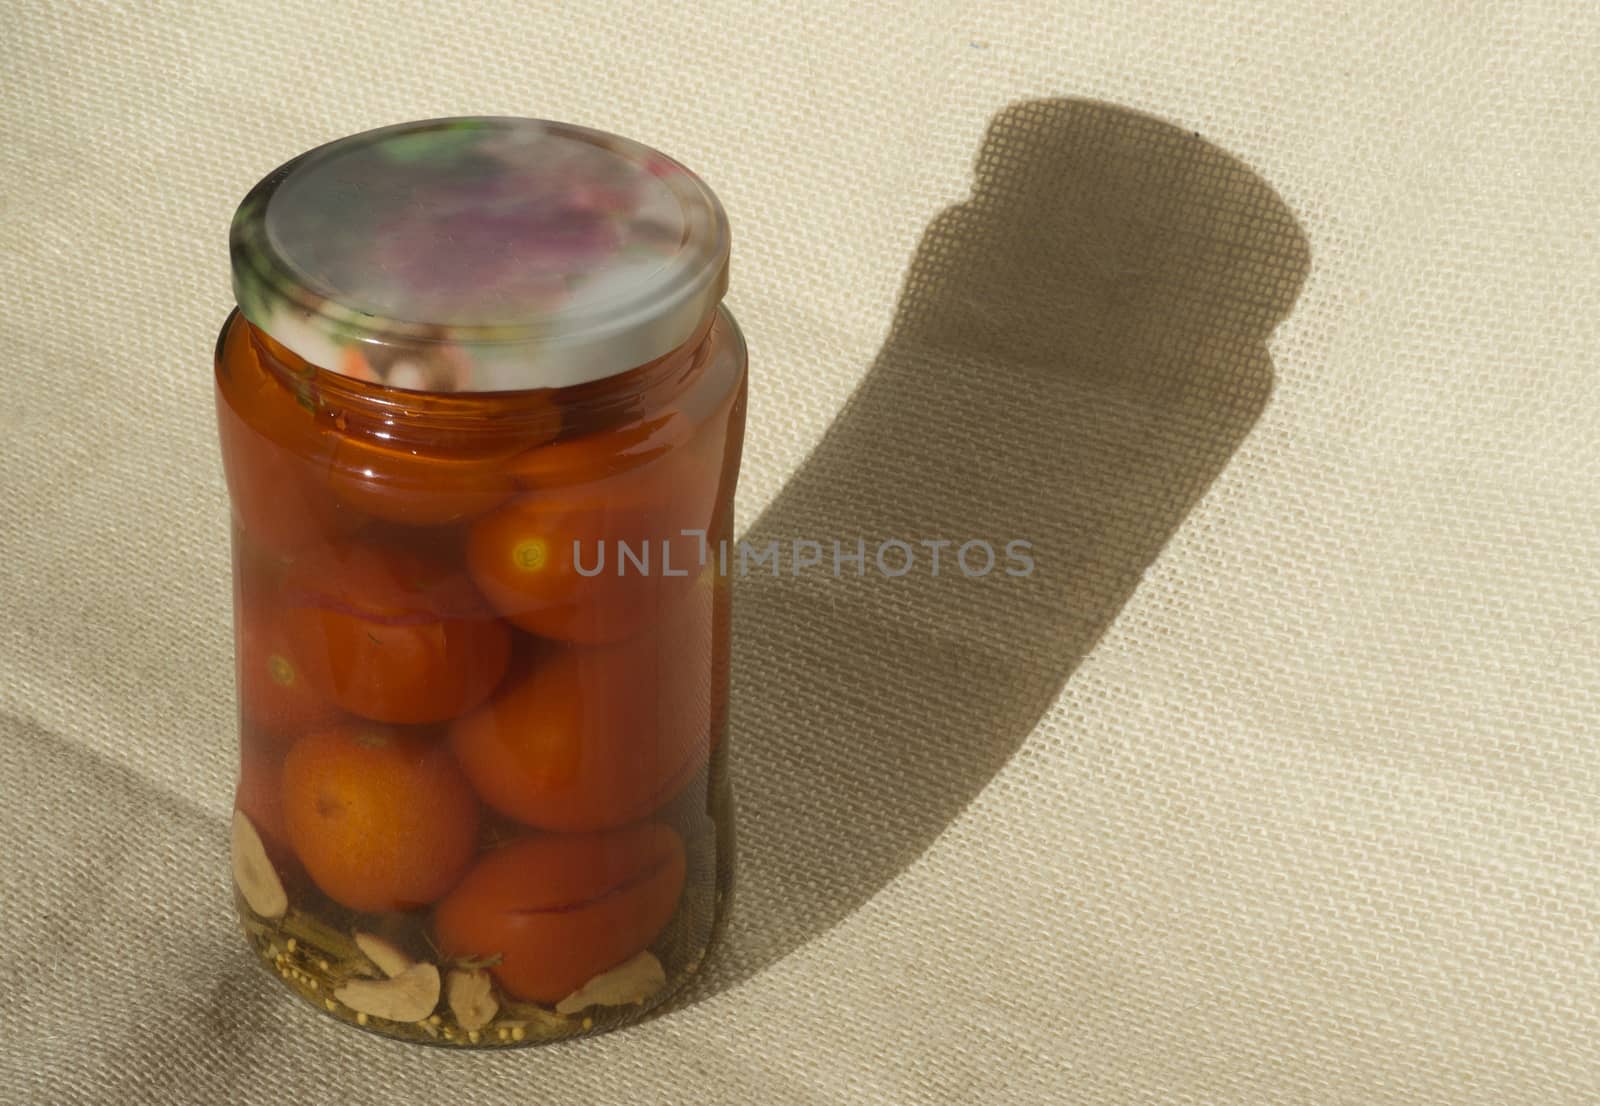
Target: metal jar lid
[(480, 254)]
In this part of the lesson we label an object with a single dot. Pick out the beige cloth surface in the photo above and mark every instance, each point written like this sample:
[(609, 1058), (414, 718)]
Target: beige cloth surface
[(1274, 328)]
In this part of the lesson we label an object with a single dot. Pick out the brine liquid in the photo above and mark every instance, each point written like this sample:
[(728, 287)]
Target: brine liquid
[(482, 652)]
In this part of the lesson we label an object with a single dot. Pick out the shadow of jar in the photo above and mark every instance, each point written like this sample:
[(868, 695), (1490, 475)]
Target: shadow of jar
[(1079, 348)]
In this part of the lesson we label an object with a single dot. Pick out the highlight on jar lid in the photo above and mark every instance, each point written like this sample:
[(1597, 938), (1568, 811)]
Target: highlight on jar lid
[(480, 254)]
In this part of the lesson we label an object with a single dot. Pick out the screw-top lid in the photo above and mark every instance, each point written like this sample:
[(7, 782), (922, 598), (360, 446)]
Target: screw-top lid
[(480, 254)]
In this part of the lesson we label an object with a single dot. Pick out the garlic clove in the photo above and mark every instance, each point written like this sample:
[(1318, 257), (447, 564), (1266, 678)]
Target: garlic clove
[(471, 998), (634, 980), (253, 872), (384, 954), (407, 997)]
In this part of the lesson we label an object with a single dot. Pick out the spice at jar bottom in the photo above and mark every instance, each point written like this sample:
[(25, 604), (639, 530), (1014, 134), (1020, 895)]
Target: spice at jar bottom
[(481, 412)]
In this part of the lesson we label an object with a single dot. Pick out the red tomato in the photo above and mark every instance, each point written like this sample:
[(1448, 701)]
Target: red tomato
[(560, 910), (578, 461), (393, 635), (599, 736), (411, 487), (275, 694), (271, 450), (721, 655), (384, 472), (597, 561)]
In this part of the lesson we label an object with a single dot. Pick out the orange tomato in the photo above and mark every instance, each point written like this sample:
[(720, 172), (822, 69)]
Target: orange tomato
[(599, 736), (380, 818), (559, 910), (596, 561), (393, 635)]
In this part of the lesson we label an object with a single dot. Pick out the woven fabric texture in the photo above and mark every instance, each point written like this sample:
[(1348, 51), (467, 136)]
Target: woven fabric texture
[(1272, 327)]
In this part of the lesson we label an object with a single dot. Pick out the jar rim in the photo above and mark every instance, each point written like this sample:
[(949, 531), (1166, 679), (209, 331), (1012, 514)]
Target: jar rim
[(480, 253)]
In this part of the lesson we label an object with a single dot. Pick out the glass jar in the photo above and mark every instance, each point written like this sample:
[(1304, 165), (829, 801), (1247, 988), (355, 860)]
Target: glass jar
[(481, 413)]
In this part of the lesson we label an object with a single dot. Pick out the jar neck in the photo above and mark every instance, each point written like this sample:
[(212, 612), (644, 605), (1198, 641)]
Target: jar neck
[(543, 412)]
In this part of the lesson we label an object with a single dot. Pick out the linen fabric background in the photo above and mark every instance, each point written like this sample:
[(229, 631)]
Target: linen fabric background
[(1273, 327)]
